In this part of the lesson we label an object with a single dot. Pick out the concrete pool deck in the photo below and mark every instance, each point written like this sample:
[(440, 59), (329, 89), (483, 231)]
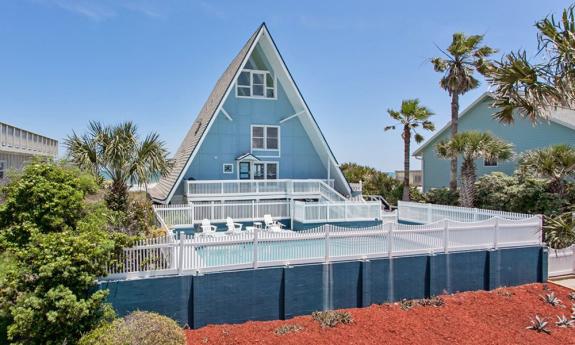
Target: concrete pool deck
[(568, 282)]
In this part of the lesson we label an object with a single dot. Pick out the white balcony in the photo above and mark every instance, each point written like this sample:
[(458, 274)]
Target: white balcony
[(204, 190), (14, 139)]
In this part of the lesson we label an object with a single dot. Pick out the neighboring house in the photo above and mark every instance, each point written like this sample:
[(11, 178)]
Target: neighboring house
[(254, 141), (524, 135), (415, 177), (18, 146)]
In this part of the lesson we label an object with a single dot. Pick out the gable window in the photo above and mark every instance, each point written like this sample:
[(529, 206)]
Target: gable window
[(265, 138), (490, 162), (256, 84)]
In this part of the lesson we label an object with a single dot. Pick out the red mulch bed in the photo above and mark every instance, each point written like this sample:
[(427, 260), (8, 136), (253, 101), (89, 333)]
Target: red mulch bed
[(496, 317)]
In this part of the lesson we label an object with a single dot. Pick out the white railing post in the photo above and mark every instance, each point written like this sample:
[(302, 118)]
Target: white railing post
[(446, 236), (345, 210), (253, 210), (212, 209), (429, 213), (475, 214), (255, 245), (181, 261), (389, 239), (496, 234), (327, 226)]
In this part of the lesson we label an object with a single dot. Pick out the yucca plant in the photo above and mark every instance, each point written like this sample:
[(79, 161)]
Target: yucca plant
[(539, 325), (552, 299), (560, 232), (564, 322)]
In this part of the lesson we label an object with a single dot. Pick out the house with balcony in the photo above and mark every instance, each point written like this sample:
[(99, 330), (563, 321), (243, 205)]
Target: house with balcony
[(256, 148), (18, 146)]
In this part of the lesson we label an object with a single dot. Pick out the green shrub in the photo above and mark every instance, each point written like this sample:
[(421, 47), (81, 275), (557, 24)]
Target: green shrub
[(523, 194), (46, 197), (138, 328), (374, 182), (442, 196), (332, 318)]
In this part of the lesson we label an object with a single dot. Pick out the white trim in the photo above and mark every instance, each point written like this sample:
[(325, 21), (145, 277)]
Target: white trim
[(212, 118), (224, 168), (251, 86), (292, 116), (265, 138), (315, 125), (226, 114)]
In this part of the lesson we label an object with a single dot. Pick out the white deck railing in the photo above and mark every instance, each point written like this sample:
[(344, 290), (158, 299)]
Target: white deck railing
[(202, 189), (561, 261), (428, 213), (312, 212), (192, 254), (186, 216)]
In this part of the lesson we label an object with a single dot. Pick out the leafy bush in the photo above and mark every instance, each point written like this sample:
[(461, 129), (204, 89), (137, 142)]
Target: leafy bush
[(57, 251), (138, 328), (560, 231), (137, 220), (46, 198), (498, 191), (374, 182), (442, 196), (332, 318)]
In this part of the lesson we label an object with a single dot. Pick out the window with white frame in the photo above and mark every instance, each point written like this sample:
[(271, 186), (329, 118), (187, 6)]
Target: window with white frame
[(228, 168), (490, 162), (2, 169), (265, 138), (256, 84)]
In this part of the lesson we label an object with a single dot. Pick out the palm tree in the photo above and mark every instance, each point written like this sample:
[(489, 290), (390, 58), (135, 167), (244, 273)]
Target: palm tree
[(554, 163), (117, 152), (537, 88), (471, 146), (463, 57), (410, 117)]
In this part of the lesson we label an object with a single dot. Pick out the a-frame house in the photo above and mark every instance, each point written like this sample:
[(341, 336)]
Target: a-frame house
[(254, 139)]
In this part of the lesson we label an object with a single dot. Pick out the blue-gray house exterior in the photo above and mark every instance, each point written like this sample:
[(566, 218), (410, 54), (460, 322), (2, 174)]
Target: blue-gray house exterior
[(523, 134), (255, 95)]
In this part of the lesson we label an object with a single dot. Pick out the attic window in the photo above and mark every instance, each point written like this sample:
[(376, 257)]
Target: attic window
[(256, 84)]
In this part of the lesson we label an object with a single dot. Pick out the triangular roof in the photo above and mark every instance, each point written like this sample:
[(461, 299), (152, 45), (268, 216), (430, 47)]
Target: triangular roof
[(167, 185), (564, 117)]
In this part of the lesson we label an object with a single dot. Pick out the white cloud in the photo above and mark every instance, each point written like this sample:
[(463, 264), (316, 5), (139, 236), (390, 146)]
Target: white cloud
[(100, 10)]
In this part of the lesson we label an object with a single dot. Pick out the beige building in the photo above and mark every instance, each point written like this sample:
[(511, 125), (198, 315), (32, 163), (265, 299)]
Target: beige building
[(18, 146), (415, 177)]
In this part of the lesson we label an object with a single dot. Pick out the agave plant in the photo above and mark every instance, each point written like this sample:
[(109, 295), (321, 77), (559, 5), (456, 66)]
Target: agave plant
[(552, 299), (571, 296), (560, 231), (539, 324), (564, 322)]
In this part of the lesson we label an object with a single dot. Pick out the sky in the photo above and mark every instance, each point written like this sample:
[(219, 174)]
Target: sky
[(64, 63)]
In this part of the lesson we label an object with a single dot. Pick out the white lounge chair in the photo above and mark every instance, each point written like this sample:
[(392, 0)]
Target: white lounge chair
[(271, 224), (233, 228), (207, 228)]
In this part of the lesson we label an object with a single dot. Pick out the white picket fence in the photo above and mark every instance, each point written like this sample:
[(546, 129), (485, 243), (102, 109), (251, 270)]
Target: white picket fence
[(328, 243), (428, 213), (561, 261)]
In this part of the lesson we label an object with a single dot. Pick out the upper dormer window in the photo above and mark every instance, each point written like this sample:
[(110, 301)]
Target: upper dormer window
[(256, 84)]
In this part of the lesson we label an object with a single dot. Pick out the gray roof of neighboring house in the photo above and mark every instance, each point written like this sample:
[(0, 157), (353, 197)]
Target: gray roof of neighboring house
[(565, 117), (164, 187)]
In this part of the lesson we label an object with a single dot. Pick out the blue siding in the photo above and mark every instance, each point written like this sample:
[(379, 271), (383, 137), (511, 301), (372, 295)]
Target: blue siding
[(522, 134), (227, 140)]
